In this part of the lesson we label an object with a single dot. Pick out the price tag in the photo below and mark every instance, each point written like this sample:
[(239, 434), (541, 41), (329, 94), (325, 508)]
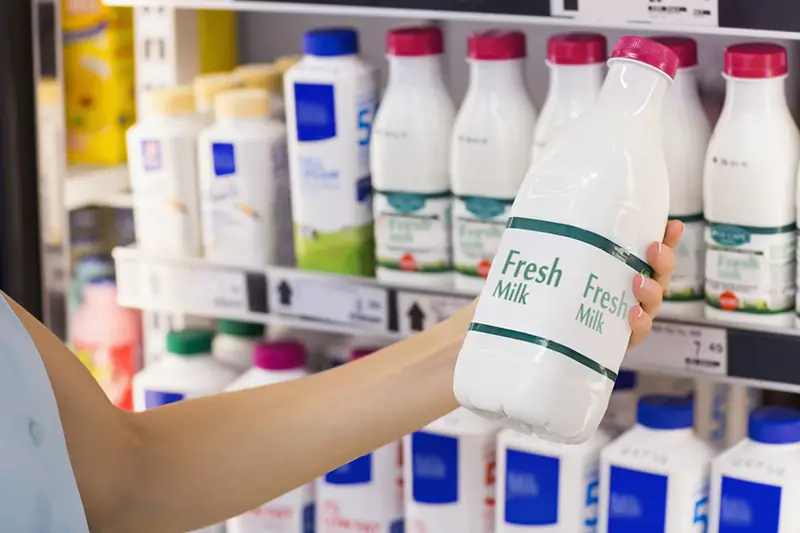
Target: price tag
[(691, 12), (417, 311), (687, 348), (228, 291)]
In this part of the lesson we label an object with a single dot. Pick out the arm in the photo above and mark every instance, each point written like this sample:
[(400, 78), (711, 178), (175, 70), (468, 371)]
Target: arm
[(200, 461)]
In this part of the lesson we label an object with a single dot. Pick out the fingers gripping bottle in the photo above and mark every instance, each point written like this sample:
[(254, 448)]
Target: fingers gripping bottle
[(551, 326)]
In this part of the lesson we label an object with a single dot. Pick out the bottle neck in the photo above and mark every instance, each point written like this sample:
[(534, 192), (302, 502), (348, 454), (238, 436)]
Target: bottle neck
[(634, 91), (575, 81), (101, 295), (669, 435), (504, 76), (685, 84), (413, 71), (760, 96), (792, 447), (242, 120)]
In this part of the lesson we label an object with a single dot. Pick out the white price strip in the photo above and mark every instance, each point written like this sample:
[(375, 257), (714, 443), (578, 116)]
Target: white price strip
[(691, 349), (417, 311), (329, 300), (692, 12)]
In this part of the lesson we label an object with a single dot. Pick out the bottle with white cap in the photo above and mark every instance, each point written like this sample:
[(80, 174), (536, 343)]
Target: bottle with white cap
[(749, 192), (686, 130), (410, 163), (755, 486), (654, 478), (276, 362), (490, 151), (545, 486), (207, 87), (577, 65), (244, 183), (559, 295), (268, 77), (449, 475), (365, 494), (331, 96), (162, 159)]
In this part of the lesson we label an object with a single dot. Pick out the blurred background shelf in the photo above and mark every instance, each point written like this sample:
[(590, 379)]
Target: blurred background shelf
[(97, 186)]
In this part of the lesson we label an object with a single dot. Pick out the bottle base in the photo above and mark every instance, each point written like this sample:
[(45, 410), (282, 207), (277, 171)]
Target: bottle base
[(779, 320), (427, 280)]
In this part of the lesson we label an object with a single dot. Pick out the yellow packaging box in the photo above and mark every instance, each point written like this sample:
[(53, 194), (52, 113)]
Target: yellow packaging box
[(98, 80)]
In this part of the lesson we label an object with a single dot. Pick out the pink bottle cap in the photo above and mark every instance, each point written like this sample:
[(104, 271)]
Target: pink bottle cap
[(576, 49), (279, 355), (415, 42), (756, 60), (358, 353), (647, 52), (496, 45), (684, 47)]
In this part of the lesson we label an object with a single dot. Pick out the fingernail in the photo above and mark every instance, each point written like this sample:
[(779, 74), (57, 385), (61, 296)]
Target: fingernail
[(641, 281), (683, 227), (660, 247), (641, 312)]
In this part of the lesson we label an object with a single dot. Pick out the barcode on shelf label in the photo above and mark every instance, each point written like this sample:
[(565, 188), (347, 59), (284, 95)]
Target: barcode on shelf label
[(417, 311), (687, 348), (692, 12)]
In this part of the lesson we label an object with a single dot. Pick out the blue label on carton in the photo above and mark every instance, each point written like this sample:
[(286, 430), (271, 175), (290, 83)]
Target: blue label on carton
[(315, 111), (355, 472), (151, 155), (531, 489), (154, 398), (747, 507), (224, 159), (637, 502), (309, 514), (434, 468)]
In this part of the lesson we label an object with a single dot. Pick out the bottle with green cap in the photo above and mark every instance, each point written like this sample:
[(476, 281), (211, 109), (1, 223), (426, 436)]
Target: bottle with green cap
[(233, 346), (187, 370)]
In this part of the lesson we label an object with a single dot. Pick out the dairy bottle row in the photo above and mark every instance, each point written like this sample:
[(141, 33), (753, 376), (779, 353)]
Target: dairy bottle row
[(644, 470)]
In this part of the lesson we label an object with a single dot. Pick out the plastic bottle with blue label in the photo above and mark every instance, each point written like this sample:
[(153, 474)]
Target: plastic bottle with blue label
[(545, 486), (654, 478), (621, 412), (449, 475), (244, 184), (162, 159), (755, 486), (187, 370), (330, 97), (365, 494), (721, 412), (293, 512), (207, 87), (749, 192), (489, 151), (410, 163)]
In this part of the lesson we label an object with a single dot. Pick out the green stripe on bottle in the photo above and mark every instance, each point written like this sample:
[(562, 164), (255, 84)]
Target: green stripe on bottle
[(774, 230), (433, 268), (686, 219), (427, 196)]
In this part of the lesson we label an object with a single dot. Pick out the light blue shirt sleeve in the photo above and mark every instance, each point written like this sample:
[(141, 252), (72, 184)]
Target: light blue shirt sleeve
[(38, 492)]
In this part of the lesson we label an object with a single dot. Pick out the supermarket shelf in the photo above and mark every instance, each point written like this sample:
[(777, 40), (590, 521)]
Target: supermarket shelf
[(96, 185), (362, 306), (777, 19)]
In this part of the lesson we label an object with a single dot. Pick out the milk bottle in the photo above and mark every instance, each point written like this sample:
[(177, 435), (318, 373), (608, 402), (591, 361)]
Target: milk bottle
[(448, 470), (551, 325), (490, 151), (410, 166), (755, 486), (544, 486), (686, 130), (654, 478), (577, 65), (750, 182)]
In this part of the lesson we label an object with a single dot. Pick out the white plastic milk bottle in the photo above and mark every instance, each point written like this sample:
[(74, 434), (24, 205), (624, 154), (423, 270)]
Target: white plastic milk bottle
[(207, 87), (543, 486), (365, 494), (755, 486), (577, 64), (410, 163), (331, 95), (722, 411), (686, 130), (654, 478), (244, 182), (276, 362), (490, 151), (162, 158), (449, 475), (551, 326), (750, 182)]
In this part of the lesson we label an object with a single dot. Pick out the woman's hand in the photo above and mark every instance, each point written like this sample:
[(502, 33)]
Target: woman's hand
[(649, 291)]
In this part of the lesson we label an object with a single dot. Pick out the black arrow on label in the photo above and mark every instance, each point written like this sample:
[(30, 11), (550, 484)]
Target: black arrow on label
[(285, 292), (417, 318)]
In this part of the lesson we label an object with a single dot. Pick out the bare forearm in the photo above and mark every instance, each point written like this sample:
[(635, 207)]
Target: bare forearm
[(203, 460)]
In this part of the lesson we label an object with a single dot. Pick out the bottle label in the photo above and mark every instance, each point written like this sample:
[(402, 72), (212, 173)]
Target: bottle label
[(434, 468), (412, 231), (686, 284), (700, 517), (531, 489), (289, 513), (747, 507), (113, 367), (490, 465), (637, 502), (592, 497), (478, 224), (749, 269), (156, 398), (357, 471), (561, 288)]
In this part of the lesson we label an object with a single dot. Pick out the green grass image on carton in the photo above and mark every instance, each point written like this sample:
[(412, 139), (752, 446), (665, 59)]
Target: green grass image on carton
[(408, 266), (349, 251), (726, 303), (689, 294)]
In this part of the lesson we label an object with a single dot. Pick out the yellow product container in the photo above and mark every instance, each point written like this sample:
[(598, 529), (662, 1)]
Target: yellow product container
[(216, 31), (98, 80)]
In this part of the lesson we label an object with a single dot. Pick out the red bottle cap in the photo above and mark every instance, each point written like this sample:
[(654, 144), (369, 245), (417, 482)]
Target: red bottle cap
[(415, 42), (576, 49), (496, 45), (684, 47), (756, 60), (648, 52)]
